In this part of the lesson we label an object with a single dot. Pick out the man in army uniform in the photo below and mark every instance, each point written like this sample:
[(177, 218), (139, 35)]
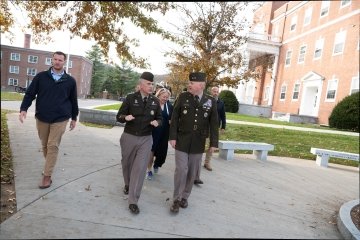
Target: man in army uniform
[(194, 119), (142, 112)]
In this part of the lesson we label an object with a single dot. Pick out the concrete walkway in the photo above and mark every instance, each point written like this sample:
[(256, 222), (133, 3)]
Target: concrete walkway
[(243, 198)]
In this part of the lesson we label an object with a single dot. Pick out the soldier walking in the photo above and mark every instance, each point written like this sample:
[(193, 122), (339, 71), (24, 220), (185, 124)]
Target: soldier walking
[(194, 119)]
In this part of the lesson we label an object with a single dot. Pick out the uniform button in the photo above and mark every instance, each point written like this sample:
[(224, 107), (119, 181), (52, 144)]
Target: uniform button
[(195, 115), (196, 109), (195, 120)]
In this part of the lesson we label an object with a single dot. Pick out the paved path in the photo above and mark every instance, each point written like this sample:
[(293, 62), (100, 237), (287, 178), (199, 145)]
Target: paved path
[(243, 198)]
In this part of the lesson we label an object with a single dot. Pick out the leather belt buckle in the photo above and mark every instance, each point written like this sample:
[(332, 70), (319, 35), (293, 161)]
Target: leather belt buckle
[(195, 127)]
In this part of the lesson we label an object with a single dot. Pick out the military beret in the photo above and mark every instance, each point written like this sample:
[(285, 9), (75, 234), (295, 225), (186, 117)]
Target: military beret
[(197, 77), (147, 76)]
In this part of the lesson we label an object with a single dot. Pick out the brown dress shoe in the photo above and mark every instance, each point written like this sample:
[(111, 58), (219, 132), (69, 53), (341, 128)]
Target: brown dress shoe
[(207, 167), (183, 203), (175, 207), (46, 182)]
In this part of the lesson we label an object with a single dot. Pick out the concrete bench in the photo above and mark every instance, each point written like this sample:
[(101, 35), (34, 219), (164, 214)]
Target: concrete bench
[(260, 150), (322, 156)]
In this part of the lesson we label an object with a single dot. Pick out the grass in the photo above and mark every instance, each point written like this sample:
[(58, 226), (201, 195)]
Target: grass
[(11, 96), (291, 143), (109, 107), (7, 175)]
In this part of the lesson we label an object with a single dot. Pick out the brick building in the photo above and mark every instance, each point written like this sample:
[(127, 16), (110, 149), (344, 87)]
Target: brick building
[(314, 50), (20, 65)]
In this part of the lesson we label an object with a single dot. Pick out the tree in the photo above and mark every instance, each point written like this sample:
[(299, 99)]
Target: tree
[(96, 57), (212, 42), (103, 21)]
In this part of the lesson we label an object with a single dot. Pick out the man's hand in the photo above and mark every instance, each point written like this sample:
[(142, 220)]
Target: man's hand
[(222, 131), (172, 143), (154, 123), (22, 116), (212, 149), (129, 117), (72, 124)]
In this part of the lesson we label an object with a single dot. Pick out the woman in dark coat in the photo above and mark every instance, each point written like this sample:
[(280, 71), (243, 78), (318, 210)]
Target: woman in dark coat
[(160, 134)]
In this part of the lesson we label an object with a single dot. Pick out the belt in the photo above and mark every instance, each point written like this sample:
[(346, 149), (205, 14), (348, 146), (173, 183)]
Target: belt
[(195, 127)]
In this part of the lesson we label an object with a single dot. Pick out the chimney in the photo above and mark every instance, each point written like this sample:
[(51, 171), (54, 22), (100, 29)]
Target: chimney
[(27, 40)]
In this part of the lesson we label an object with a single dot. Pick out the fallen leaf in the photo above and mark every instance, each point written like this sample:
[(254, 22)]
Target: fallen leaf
[(88, 188)]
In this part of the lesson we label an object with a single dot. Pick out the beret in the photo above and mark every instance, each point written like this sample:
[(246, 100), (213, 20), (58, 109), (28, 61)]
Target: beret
[(147, 76), (197, 77)]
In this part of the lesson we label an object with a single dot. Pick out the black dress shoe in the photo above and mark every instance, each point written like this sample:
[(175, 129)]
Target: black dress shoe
[(175, 207), (126, 190), (198, 182), (134, 208), (183, 203)]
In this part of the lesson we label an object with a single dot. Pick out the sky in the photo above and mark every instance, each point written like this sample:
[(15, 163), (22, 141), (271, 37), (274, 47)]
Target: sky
[(152, 46)]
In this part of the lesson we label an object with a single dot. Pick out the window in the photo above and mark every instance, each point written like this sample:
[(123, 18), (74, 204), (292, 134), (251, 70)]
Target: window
[(13, 82), (31, 71), (354, 85), (70, 64), (345, 3), (293, 23), (282, 92), (318, 48), (267, 92), (331, 90), (14, 69), (288, 58), (48, 61), (32, 59), (15, 56), (302, 52), (325, 5), (339, 42), (296, 91), (307, 18)]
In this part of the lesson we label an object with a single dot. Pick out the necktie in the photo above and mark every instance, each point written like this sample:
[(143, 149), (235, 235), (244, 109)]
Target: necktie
[(145, 100), (197, 98)]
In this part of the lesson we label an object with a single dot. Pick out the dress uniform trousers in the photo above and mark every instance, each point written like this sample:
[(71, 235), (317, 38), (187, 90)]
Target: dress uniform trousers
[(186, 166), (135, 153)]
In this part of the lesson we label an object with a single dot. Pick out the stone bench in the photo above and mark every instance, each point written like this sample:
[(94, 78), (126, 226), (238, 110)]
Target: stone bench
[(260, 150), (322, 156)]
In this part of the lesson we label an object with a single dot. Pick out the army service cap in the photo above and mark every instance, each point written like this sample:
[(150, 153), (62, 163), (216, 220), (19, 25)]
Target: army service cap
[(197, 77), (147, 76)]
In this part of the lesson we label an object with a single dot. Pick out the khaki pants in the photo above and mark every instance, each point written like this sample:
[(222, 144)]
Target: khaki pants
[(50, 136), (208, 156)]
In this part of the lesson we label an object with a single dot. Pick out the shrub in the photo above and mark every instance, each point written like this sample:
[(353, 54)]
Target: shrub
[(345, 114), (230, 101)]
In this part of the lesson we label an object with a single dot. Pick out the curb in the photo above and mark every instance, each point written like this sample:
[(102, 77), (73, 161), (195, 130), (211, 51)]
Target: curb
[(344, 222)]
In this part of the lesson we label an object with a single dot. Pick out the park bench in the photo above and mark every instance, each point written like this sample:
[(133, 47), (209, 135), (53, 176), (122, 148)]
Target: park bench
[(260, 150), (322, 156)]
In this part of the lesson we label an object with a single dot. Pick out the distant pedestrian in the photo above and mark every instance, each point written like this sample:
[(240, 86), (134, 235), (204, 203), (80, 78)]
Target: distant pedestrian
[(160, 134), (222, 125), (193, 120), (142, 113), (56, 102)]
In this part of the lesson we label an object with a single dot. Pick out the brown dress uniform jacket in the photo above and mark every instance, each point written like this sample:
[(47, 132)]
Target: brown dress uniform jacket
[(133, 104), (192, 123)]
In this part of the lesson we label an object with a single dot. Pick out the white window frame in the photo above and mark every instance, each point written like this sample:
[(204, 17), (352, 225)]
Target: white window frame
[(319, 45), (11, 82), (345, 3), (31, 71), (308, 15), (287, 57), (325, 6), (48, 61), (14, 69), (266, 93), (354, 85), (293, 23), (296, 90), (33, 59), (15, 57), (283, 92), (70, 64), (339, 40), (302, 55), (331, 86)]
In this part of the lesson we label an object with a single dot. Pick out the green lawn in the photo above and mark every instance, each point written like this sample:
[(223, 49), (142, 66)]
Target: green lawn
[(11, 96), (291, 143)]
